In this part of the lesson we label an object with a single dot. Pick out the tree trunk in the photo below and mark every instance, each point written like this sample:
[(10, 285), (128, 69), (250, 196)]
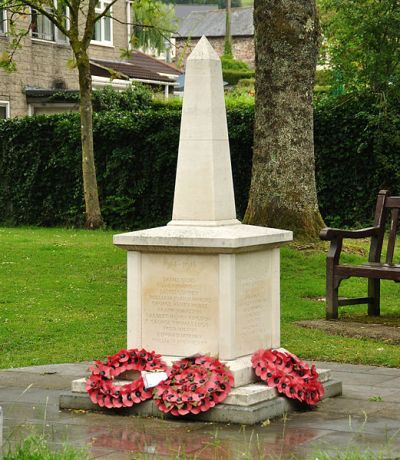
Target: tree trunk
[(93, 217), (283, 191), (228, 33)]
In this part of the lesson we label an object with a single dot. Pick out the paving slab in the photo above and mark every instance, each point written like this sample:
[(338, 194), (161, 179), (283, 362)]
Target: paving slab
[(373, 393), (351, 420)]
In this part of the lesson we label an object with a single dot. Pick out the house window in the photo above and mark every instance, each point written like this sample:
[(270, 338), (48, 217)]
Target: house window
[(103, 27), (4, 110), (44, 29), (3, 21)]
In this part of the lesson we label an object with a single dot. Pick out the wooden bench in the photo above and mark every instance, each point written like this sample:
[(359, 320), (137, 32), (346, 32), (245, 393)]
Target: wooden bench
[(375, 270)]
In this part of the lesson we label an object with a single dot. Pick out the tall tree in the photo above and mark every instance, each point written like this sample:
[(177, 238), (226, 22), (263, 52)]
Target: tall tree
[(76, 19), (283, 190), (363, 43)]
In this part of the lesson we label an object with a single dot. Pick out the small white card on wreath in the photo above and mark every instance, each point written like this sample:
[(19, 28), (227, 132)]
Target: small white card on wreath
[(152, 379)]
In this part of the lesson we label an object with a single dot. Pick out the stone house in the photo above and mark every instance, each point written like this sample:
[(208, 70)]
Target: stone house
[(43, 70), (212, 24)]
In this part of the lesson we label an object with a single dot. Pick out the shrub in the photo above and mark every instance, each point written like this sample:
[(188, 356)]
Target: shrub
[(247, 82), (233, 76), (234, 70), (324, 77), (230, 63), (133, 98)]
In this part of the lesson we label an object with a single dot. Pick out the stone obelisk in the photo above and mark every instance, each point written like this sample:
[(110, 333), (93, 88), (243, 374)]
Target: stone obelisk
[(204, 187), (204, 283)]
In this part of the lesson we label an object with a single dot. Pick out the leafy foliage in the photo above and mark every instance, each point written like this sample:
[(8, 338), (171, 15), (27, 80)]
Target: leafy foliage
[(153, 23), (234, 76), (230, 63), (362, 42), (234, 70), (133, 98)]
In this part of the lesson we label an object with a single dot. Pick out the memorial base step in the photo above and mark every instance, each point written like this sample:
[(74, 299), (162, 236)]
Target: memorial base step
[(246, 405)]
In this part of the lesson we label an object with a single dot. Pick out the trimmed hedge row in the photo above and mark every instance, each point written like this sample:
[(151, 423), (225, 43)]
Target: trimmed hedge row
[(357, 145), (40, 164), (233, 76), (357, 153)]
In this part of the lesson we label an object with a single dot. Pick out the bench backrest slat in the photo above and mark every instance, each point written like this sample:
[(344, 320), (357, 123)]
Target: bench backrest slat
[(392, 235), (392, 202), (375, 250)]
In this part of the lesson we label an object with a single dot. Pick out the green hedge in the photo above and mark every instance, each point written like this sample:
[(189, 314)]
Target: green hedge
[(357, 153), (357, 144), (233, 76), (40, 164)]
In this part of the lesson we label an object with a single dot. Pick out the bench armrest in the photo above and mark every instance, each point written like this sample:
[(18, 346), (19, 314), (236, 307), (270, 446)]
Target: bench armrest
[(329, 234)]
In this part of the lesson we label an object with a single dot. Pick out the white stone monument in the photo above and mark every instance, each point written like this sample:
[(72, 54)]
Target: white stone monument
[(204, 283)]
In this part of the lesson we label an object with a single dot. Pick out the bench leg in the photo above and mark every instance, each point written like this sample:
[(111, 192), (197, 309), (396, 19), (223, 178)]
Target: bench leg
[(332, 296), (374, 291)]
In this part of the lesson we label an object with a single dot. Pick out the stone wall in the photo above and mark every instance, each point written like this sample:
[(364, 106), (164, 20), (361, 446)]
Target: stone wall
[(242, 47), (44, 64)]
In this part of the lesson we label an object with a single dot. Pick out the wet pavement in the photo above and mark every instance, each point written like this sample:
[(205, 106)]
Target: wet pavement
[(366, 417)]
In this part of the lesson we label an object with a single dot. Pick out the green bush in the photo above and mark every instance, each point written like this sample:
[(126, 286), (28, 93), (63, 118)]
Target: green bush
[(133, 98), (233, 76), (247, 82), (324, 77), (234, 70), (230, 63)]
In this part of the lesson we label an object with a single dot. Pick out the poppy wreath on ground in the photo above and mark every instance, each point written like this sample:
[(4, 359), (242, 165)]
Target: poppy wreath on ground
[(289, 375), (194, 385), (101, 388)]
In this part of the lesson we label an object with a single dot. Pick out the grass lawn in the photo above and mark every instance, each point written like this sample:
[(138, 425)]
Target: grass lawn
[(63, 299)]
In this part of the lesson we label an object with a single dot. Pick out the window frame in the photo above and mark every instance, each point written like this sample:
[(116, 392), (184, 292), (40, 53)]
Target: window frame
[(98, 10), (36, 14), (4, 22), (56, 32), (6, 104)]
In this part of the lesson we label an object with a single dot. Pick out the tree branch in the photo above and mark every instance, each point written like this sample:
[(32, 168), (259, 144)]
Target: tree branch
[(106, 10), (52, 17)]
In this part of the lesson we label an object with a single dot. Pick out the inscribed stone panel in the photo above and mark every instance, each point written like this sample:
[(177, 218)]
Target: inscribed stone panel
[(254, 301), (180, 303)]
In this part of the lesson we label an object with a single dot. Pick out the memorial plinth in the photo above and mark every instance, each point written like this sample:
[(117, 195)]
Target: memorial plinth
[(203, 289), (204, 283)]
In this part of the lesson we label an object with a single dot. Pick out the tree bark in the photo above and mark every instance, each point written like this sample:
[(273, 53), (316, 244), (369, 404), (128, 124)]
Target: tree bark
[(228, 33), (93, 217), (283, 190)]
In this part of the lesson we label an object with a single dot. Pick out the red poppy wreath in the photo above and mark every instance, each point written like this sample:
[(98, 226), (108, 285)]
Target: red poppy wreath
[(289, 375), (194, 385), (100, 385)]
